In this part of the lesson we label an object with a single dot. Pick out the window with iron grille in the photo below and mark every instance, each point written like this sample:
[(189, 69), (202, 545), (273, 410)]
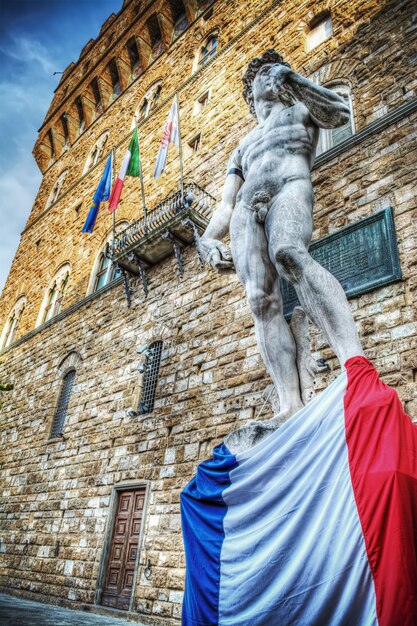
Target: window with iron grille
[(62, 407), (150, 380)]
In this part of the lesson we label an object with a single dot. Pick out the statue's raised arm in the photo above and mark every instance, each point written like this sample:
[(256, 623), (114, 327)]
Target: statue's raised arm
[(327, 109)]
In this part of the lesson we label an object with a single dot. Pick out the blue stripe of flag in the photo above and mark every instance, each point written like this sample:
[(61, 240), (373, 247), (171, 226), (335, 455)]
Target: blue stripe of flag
[(202, 512), (102, 194)]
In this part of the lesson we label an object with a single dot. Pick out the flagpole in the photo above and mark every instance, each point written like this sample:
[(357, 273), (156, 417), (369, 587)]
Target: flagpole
[(180, 149), (142, 187), (113, 177)]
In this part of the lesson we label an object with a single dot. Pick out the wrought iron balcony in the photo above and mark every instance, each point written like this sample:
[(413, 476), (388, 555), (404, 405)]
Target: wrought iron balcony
[(174, 223)]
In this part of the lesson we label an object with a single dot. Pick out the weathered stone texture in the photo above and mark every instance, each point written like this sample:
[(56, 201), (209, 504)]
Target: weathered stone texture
[(211, 377)]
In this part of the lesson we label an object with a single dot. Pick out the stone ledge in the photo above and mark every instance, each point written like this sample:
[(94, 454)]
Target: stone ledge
[(63, 315)]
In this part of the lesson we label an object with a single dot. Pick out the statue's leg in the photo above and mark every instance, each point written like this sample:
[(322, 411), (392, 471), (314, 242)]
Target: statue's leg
[(261, 282), (289, 227)]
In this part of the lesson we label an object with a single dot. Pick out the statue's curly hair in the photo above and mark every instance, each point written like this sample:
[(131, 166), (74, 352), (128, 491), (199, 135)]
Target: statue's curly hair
[(270, 56)]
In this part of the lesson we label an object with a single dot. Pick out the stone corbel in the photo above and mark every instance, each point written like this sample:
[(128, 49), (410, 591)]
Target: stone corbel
[(176, 246), (142, 266), (188, 223), (128, 289)]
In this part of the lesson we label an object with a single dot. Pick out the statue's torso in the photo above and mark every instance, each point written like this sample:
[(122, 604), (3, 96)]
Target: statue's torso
[(277, 151)]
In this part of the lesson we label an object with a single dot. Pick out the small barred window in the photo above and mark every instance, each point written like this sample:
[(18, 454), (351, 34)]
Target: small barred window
[(150, 381), (62, 407)]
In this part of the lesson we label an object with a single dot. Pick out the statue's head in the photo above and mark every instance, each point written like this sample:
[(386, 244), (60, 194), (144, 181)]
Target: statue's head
[(268, 57)]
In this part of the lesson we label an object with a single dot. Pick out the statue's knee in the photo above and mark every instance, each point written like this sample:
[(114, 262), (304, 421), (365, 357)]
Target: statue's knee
[(261, 303), (291, 258)]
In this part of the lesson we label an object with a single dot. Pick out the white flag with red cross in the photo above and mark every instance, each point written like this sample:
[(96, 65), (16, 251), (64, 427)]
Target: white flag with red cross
[(171, 135)]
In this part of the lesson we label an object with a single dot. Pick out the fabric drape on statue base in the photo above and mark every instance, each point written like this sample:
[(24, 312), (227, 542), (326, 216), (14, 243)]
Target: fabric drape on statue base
[(314, 526)]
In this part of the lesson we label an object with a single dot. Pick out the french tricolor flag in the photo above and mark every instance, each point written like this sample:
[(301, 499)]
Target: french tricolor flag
[(316, 525)]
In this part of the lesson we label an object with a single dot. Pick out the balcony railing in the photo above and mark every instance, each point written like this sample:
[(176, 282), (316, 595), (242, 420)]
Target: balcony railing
[(174, 223)]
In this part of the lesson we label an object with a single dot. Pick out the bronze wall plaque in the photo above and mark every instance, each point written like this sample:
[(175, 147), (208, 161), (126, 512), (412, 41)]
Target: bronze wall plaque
[(362, 256)]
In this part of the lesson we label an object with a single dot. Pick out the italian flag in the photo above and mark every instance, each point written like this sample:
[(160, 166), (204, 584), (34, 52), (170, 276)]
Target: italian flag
[(130, 167)]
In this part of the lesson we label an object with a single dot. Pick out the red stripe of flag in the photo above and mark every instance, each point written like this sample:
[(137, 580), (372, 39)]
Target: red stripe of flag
[(115, 194), (382, 448)]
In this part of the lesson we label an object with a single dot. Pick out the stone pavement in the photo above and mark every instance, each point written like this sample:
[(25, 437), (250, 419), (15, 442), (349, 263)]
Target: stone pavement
[(18, 612)]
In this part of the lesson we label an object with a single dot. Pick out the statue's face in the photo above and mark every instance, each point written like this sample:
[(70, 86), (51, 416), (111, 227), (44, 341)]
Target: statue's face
[(265, 86)]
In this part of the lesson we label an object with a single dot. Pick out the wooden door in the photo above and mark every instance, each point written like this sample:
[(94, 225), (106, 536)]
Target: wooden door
[(124, 547)]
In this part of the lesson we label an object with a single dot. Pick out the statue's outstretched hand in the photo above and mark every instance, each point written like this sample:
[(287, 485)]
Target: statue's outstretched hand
[(217, 255)]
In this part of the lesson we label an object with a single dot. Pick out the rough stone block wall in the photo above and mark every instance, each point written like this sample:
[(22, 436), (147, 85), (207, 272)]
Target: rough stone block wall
[(212, 377)]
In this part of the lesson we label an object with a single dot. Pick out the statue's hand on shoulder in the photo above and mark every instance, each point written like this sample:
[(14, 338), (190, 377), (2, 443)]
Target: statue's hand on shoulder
[(217, 255)]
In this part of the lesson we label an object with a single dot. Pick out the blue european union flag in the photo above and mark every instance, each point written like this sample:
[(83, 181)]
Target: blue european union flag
[(102, 193)]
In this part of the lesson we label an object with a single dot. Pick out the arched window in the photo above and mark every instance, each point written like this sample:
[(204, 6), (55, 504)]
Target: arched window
[(150, 380), (208, 50), (330, 137), (155, 36), (56, 189), (96, 152), (320, 29), (63, 402), (148, 102), (104, 272), (12, 323), (54, 296), (179, 17), (11, 330)]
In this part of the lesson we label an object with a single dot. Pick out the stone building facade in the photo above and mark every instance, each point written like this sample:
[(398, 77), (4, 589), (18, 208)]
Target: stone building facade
[(62, 496)]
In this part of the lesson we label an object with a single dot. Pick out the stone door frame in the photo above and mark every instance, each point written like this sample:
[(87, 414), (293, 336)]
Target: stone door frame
[(108, 533)]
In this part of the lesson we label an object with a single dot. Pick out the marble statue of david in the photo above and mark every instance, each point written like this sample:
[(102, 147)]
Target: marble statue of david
[(267, 206)]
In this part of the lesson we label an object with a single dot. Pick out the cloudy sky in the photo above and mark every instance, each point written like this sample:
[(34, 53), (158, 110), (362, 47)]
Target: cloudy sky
[(37, 38)]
